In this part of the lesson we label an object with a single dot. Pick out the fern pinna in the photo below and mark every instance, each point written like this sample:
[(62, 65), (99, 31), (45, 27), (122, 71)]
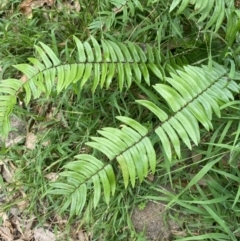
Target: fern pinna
[(192, 95)]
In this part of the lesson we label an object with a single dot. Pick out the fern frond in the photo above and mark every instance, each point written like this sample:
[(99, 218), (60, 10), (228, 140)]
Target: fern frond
[(128, 145), (195, 93), (214, 8), (98, 62)]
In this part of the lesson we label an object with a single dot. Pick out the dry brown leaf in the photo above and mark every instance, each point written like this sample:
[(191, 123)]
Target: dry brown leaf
[(82, 236), (14, 228), (5, 234), (43, 235), (14, 141), (7, 170), (117, 10), (17, 133), (27, 6), (62, 44), (51, 114), (15, 211), (27, 235), (24, 229), (31, 140), (13, 168), (24, 78), (22, 205), (3, 216), (179, 233), (150, 177), (28, 225), (196, 157), (60, 220), (52, 176), (69, 5), (74, 5), (7, 174), (46, 143)]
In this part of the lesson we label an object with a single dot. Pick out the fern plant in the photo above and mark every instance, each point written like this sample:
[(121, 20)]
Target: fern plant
[(192, 95), (187, 97)]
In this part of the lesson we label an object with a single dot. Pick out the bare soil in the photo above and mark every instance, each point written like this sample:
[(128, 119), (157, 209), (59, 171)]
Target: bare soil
[(152, 221)]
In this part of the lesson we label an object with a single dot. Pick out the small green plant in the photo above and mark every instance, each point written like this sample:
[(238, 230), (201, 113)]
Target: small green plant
[(141, 205)]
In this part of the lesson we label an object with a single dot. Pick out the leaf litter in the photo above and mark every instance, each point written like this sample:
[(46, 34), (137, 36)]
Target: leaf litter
[(27, 6), (15, 224)]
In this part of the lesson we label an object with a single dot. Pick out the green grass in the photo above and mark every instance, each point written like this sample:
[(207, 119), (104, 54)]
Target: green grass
[(204, 194)]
